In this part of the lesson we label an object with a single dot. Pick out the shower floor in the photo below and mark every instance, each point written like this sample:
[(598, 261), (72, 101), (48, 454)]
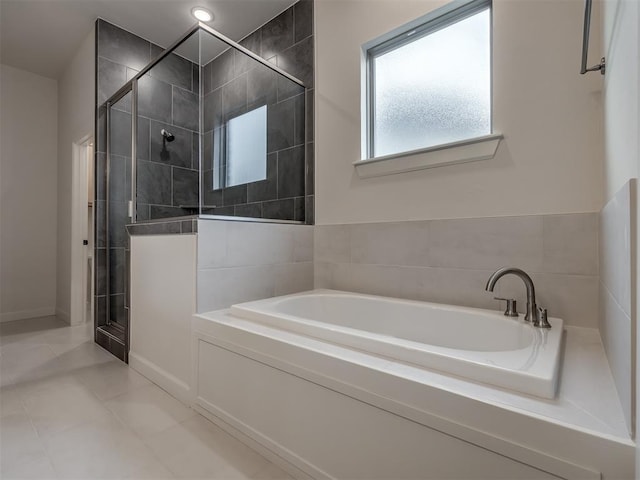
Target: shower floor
[(113, 339), (114, 331)]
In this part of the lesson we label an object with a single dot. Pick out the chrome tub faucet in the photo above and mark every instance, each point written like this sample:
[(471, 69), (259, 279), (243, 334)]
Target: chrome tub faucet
[(536, 315)]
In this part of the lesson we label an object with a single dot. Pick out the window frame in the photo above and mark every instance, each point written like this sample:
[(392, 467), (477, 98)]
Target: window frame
[(437, 20)]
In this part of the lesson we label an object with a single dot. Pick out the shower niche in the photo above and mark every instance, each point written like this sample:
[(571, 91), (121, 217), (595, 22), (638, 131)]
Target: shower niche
[(207, 128)]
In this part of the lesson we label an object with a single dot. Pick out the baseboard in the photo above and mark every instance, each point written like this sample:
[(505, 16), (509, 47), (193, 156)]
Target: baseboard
[(23, 314), (162, 378), (64, 316)]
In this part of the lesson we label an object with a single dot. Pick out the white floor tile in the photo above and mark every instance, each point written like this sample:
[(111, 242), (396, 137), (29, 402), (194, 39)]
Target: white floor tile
[(38, 468), (153, 471), (109, 380), (104, 449), (71, 357), (74, 335), (24, 362), (19, 442), (186, 455), (198, 449), (40, 387), (272, 472), (57, 409), (31, 331), (70, 410), (148, 410), (10, 401)]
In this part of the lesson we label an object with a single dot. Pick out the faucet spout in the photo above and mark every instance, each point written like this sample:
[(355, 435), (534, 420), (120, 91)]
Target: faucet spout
[(532, 314)]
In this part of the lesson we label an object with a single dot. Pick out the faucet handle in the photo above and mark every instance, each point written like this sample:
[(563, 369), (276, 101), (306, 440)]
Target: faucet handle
[(511, 310), (541, 320)]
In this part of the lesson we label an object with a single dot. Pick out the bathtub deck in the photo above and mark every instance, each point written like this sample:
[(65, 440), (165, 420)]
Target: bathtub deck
[(579, 434), (493, 350), (587, 399)]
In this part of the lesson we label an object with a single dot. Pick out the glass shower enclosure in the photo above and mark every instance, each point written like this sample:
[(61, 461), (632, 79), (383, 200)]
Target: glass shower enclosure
[(207, 129)]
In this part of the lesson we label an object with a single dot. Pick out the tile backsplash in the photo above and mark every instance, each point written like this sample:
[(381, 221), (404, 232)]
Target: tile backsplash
[(449, 261), (617, 238), (244, 261)]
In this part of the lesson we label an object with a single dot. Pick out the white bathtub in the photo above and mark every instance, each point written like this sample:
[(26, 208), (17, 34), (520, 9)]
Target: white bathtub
[(480, 345)]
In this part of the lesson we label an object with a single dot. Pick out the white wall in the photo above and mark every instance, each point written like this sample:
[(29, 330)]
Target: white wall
[(550, 160), (636, 280), (163, 291), (75, 121), (28, 149), (620, 93)]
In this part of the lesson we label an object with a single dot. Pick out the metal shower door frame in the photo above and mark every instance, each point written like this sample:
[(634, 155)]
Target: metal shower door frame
[(128, 88)]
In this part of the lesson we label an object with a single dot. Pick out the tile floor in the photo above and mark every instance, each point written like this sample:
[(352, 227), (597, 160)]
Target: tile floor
[(68, 409)]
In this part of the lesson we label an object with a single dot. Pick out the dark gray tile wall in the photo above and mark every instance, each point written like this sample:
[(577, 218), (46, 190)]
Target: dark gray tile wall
[(164, 227), (234, 84), (168, 172)]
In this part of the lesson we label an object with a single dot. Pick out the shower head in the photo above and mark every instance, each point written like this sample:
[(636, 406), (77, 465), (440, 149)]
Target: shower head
[(168, 136)]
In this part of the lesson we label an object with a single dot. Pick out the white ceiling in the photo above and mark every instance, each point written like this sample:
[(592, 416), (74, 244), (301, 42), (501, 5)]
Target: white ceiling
[(41, 36)]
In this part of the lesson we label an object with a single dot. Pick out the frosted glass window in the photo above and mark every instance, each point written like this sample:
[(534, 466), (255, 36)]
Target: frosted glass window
[(433, 89), (246, 154)]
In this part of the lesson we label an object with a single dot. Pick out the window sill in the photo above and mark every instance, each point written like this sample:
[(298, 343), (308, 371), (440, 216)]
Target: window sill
[(480, 148)]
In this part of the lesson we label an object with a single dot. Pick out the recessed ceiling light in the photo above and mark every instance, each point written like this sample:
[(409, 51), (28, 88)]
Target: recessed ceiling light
[(202, 14)]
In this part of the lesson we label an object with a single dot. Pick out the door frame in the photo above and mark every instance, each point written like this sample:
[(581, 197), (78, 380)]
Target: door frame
[(82, 153)]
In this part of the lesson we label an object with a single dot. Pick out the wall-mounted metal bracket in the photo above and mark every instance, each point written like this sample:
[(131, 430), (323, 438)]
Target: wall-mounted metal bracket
[(585, 43), (601, 66)]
